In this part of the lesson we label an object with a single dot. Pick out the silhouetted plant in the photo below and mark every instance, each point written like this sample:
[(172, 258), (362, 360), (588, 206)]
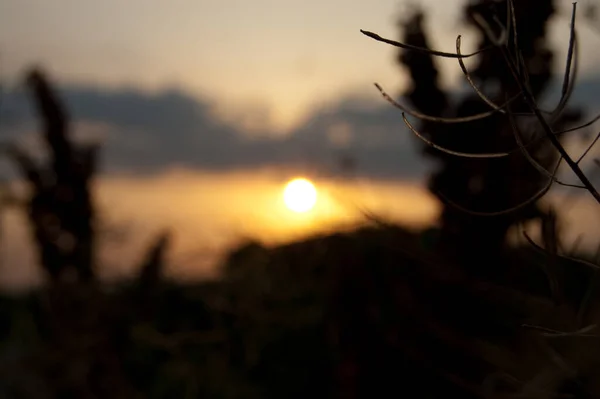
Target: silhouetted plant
[(60, 208), (497, 152)]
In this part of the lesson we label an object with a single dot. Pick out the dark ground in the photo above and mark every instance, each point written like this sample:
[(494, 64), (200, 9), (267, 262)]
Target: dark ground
[(371, 313)]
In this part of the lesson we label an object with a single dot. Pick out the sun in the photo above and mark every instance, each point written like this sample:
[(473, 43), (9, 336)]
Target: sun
[(300, 195)]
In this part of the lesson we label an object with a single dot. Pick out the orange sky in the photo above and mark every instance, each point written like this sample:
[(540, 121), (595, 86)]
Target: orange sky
[(266, 62), (210, 212)]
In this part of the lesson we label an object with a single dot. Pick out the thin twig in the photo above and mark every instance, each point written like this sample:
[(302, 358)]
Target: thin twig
[(579, 127), (587, 150), (507, 211), (529, 98), (470, 80), (421, 49), (485, 155), (531, 159), (439, 119), (491, 155), (452, 152), (568, 83), (501, 39), (531, 102), (570, 51)]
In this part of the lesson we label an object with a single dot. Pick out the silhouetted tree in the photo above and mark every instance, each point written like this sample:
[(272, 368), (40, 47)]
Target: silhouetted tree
[(482, 185)]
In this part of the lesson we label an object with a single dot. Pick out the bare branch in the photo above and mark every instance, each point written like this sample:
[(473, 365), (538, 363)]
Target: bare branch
[(421, 49), (452, 152), (570, 51), (520, 74), (439, 119), (591, 122), (528, 156), (500, 39), (463, 67), (529, 98), (522, 66), (481, 95), (489, 155), (515, 208), (587, 150), (568, 83)]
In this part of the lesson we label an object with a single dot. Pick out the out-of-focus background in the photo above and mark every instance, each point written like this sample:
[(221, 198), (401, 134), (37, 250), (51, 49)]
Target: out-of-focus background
[(205, 110)]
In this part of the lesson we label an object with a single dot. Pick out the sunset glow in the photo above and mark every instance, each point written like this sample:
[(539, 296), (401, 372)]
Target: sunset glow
[(300, 195)]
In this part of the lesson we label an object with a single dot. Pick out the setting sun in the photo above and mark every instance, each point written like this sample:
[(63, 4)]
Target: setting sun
[(300, 195)]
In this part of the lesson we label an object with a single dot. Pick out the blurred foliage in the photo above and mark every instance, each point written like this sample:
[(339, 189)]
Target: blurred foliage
[(360, 314), (485, 185), (60, 209)]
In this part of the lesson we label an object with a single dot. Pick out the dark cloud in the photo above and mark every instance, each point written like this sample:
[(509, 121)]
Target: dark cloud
[(146, 132)]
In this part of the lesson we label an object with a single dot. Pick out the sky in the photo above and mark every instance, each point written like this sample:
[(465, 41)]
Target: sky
[(273, 58), (264, 64), (236, 84)]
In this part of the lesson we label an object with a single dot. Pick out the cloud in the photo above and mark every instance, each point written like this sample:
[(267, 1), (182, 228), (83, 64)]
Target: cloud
[(147, 132)]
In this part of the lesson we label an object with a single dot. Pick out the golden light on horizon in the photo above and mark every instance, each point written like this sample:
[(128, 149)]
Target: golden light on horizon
[(300, 195)]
